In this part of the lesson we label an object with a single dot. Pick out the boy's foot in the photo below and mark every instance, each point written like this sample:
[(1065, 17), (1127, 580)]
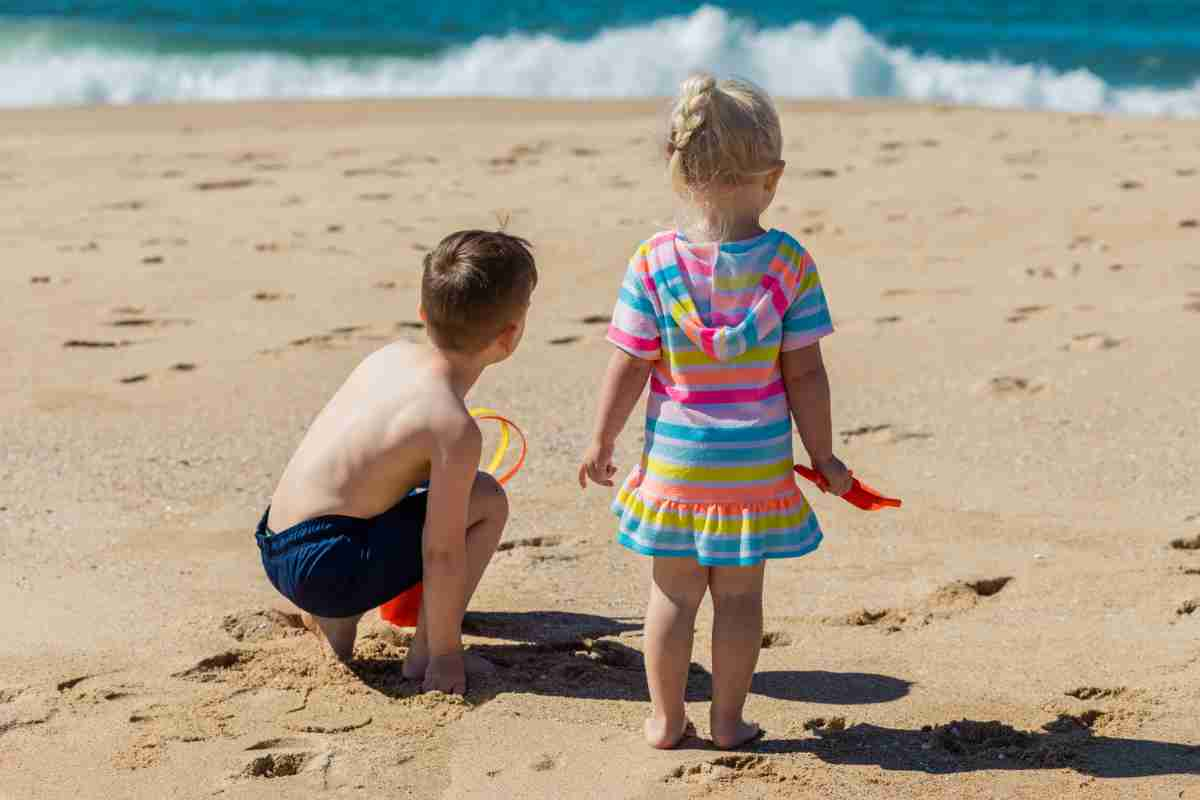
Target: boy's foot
[(663, 736), (339, 633), (735, 736)]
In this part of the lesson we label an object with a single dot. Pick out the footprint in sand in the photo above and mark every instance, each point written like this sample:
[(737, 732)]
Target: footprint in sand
[(153, 259), (825, 724), (1022, 313), (1189, 223), (1012, 385), (543, 763), (526, 153), (1054, 273), (139, 378), (890, 319), (147, 322), (776, 639), (183, 366), (1187, 608), (880, 434), (559, 340), (596, 319), (217, 667), (220, 185), (1095, 692), (1091, 342), (39, 279), (96, 344), (532, 541), (125, 205), (383, 285), (375, 197), (948, 601), (410, 325), (722, 769), (1131, 185), (271, 297), (276, 765), (1188, 543)]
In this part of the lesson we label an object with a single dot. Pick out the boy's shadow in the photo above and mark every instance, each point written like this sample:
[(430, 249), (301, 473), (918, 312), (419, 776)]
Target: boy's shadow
[(969, 745)]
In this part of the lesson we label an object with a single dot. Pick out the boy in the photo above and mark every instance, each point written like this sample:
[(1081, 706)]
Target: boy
[(353, 528)]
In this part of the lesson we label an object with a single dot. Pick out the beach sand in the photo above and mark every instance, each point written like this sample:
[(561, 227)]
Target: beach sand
[(1017, 298)]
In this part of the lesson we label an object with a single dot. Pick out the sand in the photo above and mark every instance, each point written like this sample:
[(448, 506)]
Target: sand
[(1017, 299)]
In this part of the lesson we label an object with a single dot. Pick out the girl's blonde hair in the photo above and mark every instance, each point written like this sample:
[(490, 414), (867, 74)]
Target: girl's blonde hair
[(721, 133)]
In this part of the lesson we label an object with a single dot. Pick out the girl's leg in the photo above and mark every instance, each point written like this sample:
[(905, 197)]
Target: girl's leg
[(487, 513), (736, 639), (677, 587)]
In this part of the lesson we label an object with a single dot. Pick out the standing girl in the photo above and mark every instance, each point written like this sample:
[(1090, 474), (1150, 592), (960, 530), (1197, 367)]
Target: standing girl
[(723, 318)]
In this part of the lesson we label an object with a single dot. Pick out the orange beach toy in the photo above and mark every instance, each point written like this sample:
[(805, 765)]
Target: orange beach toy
[(859, 495), (405, 608)]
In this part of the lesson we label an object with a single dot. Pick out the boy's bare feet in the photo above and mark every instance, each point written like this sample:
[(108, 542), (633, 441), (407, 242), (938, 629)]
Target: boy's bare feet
[(338, 632), (663, 735), (728, 737)]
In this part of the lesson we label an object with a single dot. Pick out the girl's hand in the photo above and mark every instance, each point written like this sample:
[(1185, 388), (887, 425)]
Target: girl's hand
[(597, 465), (835, 474)]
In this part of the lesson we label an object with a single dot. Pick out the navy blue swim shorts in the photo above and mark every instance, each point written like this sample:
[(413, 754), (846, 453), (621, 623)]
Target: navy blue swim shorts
[(338, 566)]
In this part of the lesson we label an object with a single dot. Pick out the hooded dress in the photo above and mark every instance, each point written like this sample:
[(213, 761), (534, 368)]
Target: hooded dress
[(715, 479)]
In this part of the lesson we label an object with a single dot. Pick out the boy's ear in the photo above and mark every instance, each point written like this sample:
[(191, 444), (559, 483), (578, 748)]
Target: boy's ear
[(508, 338), (421, 313)]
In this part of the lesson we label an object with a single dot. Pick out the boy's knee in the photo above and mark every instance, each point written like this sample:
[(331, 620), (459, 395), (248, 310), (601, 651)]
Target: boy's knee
[(490, 496)]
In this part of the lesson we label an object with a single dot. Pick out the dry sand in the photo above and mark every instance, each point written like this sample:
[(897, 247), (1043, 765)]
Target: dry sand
[(1018, 304)]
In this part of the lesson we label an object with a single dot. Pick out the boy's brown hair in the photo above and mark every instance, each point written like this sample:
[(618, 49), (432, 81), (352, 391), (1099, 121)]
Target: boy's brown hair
[(474, 284)]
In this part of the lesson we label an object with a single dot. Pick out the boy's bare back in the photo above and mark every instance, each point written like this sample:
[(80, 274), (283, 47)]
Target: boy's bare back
[(373, 442)]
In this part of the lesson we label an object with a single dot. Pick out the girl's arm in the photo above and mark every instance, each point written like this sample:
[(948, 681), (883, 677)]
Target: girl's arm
[(623, 384), (808, 397)]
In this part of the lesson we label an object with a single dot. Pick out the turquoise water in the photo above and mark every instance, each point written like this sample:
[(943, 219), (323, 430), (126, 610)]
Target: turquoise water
[(1078, 55)]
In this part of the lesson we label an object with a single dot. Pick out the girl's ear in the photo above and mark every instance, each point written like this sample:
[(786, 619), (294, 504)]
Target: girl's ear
[(774, 176)]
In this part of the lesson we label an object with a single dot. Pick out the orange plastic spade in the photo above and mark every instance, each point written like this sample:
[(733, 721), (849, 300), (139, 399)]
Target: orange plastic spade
[(859, 495), (405, 609)]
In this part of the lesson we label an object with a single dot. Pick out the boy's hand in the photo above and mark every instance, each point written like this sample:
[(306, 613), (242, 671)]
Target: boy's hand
[(835, 474), (446, 674), (597, 465)]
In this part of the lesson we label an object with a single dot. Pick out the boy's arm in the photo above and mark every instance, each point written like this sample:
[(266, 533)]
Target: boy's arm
[(808, 397), (453, 466), (623, 384)]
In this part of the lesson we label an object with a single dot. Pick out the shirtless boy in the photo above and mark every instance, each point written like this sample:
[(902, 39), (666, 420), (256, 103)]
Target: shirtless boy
[(350, 525)]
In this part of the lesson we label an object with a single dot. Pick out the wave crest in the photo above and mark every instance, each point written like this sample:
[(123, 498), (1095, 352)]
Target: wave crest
[(839, 61)]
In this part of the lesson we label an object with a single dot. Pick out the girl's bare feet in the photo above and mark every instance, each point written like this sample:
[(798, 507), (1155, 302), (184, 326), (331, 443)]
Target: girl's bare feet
[(662, 735), (730, 737)]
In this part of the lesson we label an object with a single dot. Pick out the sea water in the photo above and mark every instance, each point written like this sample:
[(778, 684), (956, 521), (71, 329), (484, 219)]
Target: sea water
[(1073, 55)]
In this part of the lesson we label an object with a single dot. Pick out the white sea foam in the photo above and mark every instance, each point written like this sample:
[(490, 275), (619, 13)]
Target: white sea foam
[(839, 61)]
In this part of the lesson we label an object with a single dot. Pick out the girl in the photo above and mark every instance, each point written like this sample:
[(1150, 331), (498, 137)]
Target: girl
[(723, 318)]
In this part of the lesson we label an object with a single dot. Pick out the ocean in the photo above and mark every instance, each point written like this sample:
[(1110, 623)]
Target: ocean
[(1100, 56)]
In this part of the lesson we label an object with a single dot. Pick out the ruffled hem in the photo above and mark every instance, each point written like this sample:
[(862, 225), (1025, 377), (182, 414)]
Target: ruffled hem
[(716, 534)]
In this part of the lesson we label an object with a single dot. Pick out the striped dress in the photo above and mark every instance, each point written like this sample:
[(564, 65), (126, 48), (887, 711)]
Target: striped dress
[(715, 480)]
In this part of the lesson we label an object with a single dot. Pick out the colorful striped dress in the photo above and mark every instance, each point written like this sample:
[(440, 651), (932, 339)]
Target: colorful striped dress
[(715, 480)]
